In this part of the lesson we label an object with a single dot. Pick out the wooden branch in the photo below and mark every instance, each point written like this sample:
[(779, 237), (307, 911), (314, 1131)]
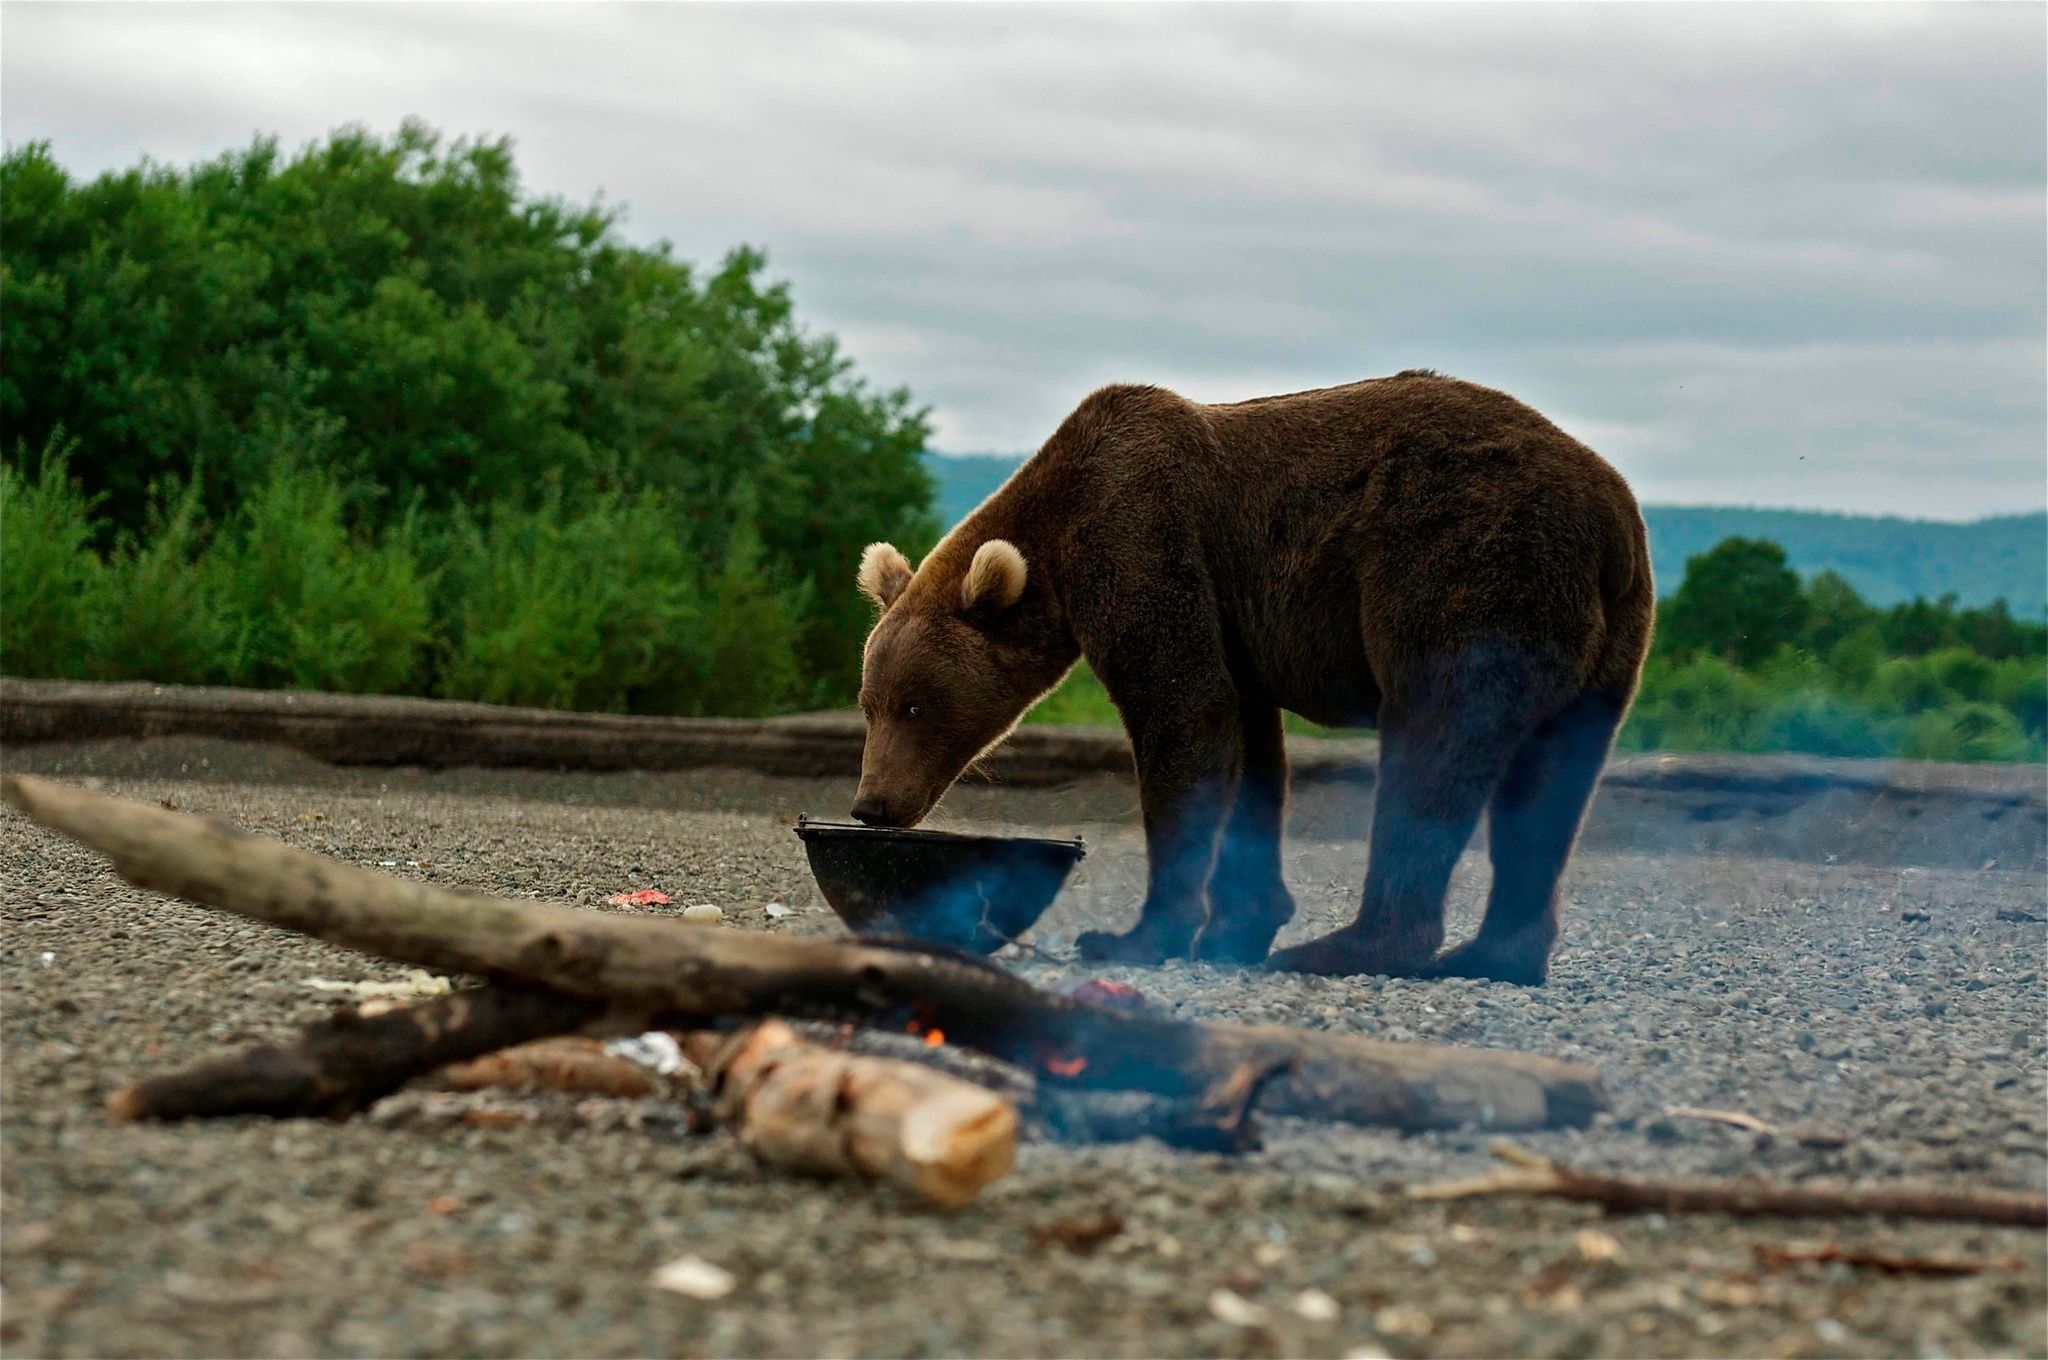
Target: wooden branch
[(349, 1062), (1827, 1253), (800, 1105), (682, 975), (1529, 1174)]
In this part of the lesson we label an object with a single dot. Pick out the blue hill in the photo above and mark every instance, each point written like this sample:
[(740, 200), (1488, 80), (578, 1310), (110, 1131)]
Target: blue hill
[(1887, 559)]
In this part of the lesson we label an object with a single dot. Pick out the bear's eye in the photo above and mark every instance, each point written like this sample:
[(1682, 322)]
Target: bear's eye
[(913, 710)]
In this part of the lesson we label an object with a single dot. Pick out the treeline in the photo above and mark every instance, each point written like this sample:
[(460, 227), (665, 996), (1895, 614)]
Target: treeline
[(371, 417), (1750, 658)]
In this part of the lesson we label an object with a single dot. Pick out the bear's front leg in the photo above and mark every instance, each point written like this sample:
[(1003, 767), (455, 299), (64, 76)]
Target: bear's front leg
[(1188, 762), (1248, 902)]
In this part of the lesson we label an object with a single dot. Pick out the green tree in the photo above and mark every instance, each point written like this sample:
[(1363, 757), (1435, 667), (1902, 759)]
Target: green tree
[(1739, 601), (1834, 611), (400, 313)]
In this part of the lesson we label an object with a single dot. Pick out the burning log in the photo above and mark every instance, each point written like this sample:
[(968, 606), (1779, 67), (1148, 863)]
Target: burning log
[(667, 973), (1529, 1174), (806, 1107)]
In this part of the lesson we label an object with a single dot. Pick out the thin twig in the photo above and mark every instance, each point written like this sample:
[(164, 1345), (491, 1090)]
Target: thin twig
[(1529, 1174)]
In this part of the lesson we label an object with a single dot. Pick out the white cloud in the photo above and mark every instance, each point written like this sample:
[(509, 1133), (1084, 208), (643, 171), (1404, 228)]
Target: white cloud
[(1782, 254)]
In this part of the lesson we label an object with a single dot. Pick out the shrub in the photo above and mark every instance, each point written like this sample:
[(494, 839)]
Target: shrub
[(1907, 685), (162, 616), (1822, 725), (1966, 732), (607, 610), (311, 603), (1704, 704), (51, 583), (1080, 698), (1962, 673), (2020, 686)]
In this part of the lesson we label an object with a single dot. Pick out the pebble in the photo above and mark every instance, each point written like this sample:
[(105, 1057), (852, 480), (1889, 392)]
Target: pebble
[(704, 914), (1230, 1307), (694, 1277)]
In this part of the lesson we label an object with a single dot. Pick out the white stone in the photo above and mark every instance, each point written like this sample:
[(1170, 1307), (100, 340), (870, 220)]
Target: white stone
[(695, 1277)]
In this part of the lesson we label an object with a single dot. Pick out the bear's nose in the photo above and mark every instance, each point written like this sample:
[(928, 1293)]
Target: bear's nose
[(871, 808)]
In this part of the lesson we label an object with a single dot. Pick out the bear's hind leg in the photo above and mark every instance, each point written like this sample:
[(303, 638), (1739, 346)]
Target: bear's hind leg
[(1248, 901), (1533, 821), (1441, 752)]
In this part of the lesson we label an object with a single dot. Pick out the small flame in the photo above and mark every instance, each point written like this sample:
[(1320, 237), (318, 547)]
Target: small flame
[(934, 1037), (1066, 1067)]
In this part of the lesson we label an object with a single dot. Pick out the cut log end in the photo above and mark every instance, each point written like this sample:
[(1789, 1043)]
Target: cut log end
[(127, 1105), (806, 1107)]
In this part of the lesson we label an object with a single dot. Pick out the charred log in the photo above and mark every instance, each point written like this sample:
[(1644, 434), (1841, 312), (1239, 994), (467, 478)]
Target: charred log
[(347, 1063)]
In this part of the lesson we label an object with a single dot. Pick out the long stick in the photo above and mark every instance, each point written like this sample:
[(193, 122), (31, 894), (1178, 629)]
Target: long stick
[(681, 975), (1529, 1174), (347, 1063)]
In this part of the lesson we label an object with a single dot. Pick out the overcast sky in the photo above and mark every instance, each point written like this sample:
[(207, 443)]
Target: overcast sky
[(1780, 255)]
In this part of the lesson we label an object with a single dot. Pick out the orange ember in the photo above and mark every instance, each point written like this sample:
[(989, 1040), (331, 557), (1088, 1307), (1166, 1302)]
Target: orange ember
[(934, 1037), (1066, 1067)]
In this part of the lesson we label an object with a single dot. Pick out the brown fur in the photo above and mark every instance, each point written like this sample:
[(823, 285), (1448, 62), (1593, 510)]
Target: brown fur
[(1414, 553)]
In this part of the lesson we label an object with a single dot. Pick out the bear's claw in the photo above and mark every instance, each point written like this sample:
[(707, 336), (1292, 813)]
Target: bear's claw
[(1469, 960), (1234, 946), (1338, 954), (1102, 946)]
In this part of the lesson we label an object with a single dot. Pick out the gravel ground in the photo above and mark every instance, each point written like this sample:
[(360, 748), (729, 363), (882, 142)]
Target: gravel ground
[(1891, 1005)]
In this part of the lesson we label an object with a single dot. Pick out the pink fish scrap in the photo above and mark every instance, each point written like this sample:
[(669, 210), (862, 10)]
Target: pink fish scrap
[(645, 897)]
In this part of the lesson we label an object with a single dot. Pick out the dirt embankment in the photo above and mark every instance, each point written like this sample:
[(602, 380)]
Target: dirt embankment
[(1787, 807)]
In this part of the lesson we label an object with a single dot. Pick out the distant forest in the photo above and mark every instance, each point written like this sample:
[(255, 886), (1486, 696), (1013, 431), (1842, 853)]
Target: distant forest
[(1887, 559)]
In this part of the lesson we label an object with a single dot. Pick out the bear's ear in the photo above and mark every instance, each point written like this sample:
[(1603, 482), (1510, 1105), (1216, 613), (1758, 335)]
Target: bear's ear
[(995, 578), (884, 572)]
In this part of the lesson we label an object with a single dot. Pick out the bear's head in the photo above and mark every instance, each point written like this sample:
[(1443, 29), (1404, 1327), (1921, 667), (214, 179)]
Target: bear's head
[(949, 669)]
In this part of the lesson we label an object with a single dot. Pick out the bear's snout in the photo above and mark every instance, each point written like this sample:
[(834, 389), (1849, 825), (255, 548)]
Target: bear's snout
[(872, 809)]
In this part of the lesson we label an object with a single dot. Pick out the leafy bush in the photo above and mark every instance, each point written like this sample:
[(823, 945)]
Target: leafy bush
[(1704, 704), (398, 314), (1080, 698), (51, 583), (599, 609), (314, 604), (1968, 731), (162, 614), (606, 610)]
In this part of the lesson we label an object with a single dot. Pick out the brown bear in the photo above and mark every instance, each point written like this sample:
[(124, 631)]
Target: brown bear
[(1415, 553)]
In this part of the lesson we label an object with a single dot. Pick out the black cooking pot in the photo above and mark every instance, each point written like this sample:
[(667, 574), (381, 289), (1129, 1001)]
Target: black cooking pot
[(976, 893)]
